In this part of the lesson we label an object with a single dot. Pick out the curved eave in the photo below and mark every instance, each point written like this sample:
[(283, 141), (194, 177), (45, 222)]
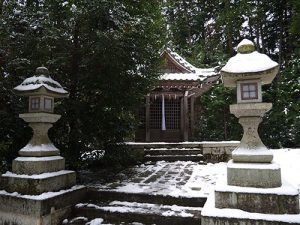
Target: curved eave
[(266, 76), (178, 64), (41, 89)]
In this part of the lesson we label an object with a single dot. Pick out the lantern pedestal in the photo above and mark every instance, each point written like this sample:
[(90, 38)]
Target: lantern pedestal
[(251, 148), (38, 190), (40, 144)]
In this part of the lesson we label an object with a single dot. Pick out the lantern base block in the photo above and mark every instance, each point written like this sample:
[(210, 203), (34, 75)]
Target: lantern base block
[(260, 175), (45, 209)]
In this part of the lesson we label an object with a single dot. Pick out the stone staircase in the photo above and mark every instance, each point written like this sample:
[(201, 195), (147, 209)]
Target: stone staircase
[(137, 208), (173, 152)]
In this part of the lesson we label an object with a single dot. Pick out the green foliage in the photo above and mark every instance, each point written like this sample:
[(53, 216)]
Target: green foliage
[(280, 128), (104, 52), (214, 122)]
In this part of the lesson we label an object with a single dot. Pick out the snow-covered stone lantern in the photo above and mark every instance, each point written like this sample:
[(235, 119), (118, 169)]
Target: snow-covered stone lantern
[(254, 190), (41, 90), (38, 190), (247, 72)]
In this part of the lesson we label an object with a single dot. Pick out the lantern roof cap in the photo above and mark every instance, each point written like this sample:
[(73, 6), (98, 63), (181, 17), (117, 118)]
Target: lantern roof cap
[(249, 64), (41, 83)]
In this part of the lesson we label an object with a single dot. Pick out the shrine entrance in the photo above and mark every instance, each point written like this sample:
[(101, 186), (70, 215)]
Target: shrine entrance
[(168, 114)]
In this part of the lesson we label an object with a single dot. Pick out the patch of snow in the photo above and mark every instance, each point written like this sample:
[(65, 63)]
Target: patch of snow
[(34, 159), (136, 207), (200, 74), (97, 221), (36, 82), (37, 176), (93, 155), (245, 42), (42, 147), (285, 189), (43, 196), (80, 218), (270, 166)]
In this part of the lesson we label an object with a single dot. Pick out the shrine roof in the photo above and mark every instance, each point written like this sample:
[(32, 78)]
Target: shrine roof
[(185, 70)]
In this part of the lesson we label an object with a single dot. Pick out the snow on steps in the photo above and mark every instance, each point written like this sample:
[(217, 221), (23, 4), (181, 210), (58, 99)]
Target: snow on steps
[(105, 195), (173, 152), (123, 211)]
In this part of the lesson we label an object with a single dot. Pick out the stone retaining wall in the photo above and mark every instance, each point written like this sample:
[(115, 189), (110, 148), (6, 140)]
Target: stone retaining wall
[(218, 151)]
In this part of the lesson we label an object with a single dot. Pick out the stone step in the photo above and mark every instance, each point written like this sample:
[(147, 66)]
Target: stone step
[(172, 158), (145, 213), (96, 196), (149, 145), (164, 151)]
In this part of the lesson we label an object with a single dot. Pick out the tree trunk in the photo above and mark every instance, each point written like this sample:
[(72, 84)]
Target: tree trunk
[(229, 30)]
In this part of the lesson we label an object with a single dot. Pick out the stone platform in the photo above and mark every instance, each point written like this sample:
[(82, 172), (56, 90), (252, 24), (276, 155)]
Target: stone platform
[(216, 216), (47, 208)]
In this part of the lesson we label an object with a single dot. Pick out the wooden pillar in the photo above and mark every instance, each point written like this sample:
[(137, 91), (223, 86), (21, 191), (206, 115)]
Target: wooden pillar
[(185, 117), (147, 119), (182, 118), (192, 115)]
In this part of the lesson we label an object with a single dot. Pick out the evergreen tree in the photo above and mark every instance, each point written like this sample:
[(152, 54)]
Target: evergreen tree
[(104, 52)]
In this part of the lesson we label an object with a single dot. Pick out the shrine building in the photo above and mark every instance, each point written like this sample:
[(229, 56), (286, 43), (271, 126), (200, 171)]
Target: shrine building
[(169, 112)]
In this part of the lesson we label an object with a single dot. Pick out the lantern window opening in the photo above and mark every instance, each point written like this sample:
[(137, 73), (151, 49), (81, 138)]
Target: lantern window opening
[(48, 104), (34, 103), (249, 91)]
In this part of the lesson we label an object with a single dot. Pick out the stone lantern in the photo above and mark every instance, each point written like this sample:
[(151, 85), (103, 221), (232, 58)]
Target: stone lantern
[(41, 90), (39, 190), (247, 72), (254, 192)]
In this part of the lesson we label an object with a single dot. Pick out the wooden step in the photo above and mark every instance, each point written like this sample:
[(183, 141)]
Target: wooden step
[(145, 213), (172, 158), (97, 196)]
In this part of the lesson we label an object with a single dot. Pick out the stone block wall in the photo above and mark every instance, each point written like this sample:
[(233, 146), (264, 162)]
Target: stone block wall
[(218, 151)]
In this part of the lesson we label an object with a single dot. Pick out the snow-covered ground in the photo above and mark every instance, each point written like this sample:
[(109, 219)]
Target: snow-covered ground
[(189, 179)]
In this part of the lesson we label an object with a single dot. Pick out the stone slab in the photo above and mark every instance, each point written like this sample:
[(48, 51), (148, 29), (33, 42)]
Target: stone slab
[(37, 165), (241, 221), (40, 150), (226, 216), (40, 117), (244, 154), (265, 175), (258, 202), (40, 209), (37, 184)]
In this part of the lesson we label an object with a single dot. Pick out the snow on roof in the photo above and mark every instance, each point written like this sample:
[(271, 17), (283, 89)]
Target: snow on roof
[(249, 63), (200, 74), (193, 73), (36, 82), (248, 60), (181, 61), (245, 42)]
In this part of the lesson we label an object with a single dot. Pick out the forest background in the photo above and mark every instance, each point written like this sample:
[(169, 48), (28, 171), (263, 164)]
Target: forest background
[(106, 54)]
